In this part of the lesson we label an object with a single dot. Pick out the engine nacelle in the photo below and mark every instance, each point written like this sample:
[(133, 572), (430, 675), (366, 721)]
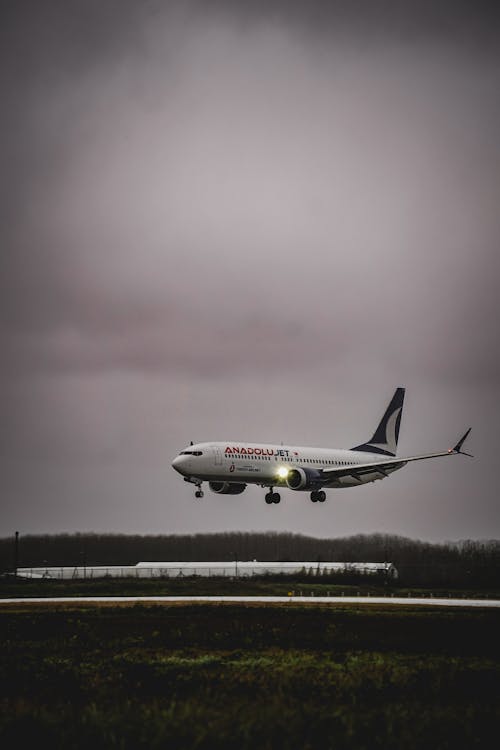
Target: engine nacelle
[(303, 479), (226, 488)]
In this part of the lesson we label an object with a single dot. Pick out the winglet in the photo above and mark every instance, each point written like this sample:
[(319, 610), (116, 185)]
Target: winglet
[(458, 447)]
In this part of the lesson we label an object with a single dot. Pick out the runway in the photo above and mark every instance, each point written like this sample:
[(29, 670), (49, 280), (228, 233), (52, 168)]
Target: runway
[(311, 600)]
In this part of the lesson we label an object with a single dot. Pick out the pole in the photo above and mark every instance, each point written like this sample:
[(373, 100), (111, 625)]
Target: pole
[(16, 553)]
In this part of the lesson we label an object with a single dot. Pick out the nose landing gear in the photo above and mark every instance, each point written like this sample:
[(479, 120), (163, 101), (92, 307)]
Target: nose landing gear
[(199, 492)]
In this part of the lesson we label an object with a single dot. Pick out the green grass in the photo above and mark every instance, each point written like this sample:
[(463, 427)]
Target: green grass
[(220, 586), (225, 676)]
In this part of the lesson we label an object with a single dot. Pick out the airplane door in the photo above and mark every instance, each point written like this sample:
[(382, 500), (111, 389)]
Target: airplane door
[(217, 456)]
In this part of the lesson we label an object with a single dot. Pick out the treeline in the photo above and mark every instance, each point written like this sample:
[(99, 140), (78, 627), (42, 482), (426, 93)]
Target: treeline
[(466, 563)]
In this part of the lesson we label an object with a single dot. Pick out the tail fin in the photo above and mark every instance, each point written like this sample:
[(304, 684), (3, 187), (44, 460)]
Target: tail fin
[(385, 439)]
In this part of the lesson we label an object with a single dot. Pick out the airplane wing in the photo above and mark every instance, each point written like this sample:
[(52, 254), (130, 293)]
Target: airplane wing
[(357, 471)]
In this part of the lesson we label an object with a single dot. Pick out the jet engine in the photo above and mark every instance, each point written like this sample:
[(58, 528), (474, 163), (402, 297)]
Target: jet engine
[(303, 479), (226, 488)]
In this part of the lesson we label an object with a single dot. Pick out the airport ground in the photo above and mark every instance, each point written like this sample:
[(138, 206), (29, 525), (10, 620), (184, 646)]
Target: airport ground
[(236, 676), (279, 585)]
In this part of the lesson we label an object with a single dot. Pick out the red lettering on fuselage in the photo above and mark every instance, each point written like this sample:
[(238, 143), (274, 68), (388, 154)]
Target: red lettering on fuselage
[(249, 451)]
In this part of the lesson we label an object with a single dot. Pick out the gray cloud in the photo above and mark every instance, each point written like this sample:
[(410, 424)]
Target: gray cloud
[(225, 199)]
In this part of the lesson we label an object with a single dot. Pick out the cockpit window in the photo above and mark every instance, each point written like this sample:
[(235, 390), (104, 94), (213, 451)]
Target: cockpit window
[(191, 453)]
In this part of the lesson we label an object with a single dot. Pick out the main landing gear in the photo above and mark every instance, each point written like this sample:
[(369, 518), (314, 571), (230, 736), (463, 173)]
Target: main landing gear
[(272, 497), (318, 496)]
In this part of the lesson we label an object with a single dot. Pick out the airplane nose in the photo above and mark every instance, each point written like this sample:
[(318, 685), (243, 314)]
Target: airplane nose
[(178, 463)]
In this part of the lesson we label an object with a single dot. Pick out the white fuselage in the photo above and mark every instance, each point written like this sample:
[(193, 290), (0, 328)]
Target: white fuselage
[(268, 464)]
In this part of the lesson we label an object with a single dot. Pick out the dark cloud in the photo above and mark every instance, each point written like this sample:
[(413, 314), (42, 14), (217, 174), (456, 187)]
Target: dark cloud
[(462, 22), (219, 215)]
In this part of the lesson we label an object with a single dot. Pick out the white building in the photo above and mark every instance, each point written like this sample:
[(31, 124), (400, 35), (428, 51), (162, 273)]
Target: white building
[(229, 569)]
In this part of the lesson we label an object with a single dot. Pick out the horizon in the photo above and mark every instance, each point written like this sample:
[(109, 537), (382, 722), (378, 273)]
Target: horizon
[(229, 532)]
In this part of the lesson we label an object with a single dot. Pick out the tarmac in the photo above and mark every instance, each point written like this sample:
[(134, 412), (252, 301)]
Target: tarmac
[(331, 600)]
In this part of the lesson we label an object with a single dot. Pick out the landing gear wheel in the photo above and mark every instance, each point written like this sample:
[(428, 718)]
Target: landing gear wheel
[(272, 497), (321, 496), (314, 497), (199, 494)]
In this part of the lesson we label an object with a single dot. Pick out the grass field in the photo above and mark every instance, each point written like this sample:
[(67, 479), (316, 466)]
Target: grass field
[(226, 676), (225, 585)]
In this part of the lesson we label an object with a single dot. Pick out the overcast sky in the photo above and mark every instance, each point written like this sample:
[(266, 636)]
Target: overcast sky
[(247, 221)]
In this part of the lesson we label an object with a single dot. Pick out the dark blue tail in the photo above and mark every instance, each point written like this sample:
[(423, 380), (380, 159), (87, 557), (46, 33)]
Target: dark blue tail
[(385, 439)]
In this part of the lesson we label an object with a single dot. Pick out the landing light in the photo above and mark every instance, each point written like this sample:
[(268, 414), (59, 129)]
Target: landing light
[(282, 472)]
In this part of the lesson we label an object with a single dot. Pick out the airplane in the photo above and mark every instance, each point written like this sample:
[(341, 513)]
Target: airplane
[(229, 466)]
